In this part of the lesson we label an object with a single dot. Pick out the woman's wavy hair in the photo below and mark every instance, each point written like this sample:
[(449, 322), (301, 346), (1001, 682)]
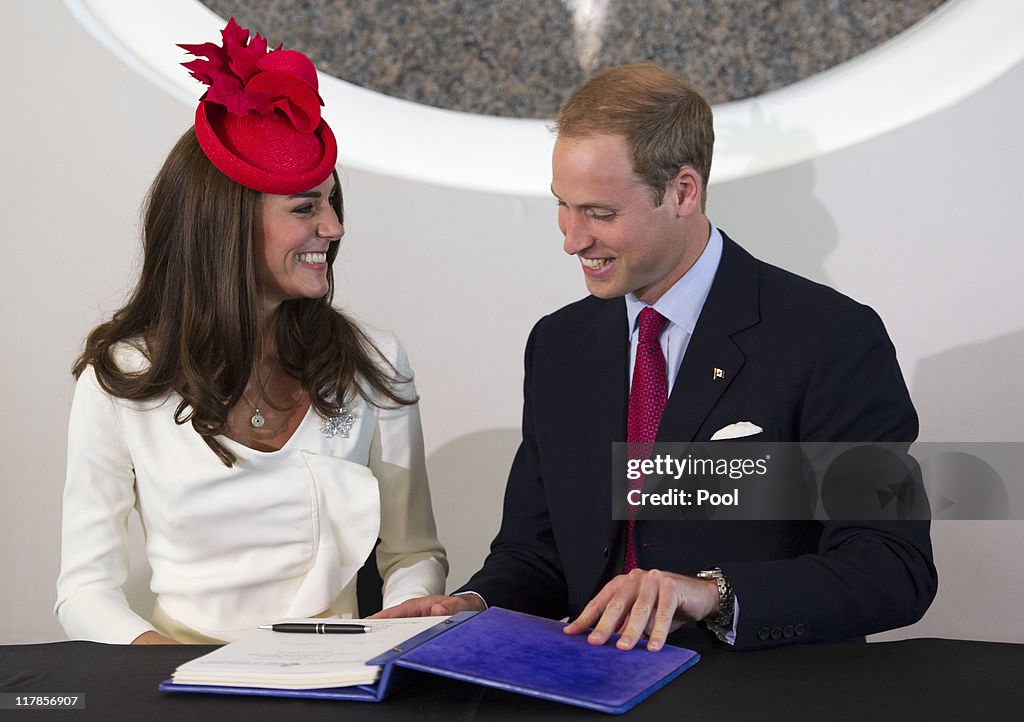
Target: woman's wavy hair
[(194, 310)]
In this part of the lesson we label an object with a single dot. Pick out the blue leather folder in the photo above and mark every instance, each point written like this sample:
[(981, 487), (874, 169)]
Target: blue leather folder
[(514, 652)]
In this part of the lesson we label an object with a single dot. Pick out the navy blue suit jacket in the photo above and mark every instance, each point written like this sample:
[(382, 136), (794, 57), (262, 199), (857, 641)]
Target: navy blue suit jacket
[(802, 361)]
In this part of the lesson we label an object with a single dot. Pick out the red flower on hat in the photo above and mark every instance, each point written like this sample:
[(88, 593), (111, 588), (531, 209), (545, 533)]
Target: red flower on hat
[(244, 77), (259, 120), (228, 68)]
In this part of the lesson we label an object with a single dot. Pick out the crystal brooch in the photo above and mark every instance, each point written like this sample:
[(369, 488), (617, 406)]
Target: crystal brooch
[(339, 425)]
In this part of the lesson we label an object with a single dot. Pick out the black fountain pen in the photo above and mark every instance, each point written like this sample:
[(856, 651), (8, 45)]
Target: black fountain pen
[(317, 628)]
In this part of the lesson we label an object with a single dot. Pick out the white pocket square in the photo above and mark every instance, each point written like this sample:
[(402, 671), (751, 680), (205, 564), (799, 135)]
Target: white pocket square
[(736, 431)]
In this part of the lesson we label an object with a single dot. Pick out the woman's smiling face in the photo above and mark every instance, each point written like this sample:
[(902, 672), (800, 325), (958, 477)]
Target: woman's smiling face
[(292, 234)]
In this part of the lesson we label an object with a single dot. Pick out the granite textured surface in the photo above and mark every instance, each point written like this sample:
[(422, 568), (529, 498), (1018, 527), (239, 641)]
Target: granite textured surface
[(521, 58)]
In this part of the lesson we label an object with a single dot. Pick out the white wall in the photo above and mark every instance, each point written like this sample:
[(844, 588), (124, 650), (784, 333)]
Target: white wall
[(920, 223)]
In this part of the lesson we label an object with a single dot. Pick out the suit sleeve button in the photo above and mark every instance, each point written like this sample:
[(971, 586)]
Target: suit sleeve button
[(762, 633), (800, 629), (787, 631), (776, 632)]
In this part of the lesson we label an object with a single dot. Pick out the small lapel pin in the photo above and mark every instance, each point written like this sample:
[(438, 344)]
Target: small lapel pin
[(718, 374)]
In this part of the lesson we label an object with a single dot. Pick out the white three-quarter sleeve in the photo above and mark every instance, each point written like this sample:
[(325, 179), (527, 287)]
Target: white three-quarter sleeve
[(410, 558), (99, 494)]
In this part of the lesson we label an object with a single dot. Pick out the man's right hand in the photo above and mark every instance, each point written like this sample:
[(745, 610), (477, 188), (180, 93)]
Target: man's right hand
[(436, 605)]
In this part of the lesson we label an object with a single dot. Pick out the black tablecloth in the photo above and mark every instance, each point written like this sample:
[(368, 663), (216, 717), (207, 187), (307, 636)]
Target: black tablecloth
[(918, 679)]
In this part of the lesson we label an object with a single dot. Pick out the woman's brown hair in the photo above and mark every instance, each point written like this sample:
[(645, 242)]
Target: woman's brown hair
[(194, 311)]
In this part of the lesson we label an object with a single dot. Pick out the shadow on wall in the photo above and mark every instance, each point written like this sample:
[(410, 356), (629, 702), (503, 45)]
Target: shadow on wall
[(469, 473), (775, 215), (972, 392)]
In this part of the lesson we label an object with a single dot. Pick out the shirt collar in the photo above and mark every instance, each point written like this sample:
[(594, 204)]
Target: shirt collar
[(682, 303)]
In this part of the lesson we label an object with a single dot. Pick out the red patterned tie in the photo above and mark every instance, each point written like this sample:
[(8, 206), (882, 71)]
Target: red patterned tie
[(647, 396)]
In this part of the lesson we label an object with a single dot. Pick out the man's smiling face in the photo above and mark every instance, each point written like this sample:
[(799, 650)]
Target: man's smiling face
[(624, 242)]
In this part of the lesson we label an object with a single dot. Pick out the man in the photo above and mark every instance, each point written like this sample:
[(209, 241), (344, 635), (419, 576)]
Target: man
[(734, 340)]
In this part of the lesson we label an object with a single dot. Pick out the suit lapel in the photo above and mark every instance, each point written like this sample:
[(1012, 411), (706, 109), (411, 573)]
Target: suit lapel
[(731, 306)]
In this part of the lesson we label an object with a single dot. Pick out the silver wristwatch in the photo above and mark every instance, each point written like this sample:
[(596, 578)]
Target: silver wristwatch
[(726, 598)]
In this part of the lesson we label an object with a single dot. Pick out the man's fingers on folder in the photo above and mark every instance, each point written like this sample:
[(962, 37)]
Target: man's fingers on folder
[(625, 603), (649, 598), (642, 602), (436, 605), (660, 594)]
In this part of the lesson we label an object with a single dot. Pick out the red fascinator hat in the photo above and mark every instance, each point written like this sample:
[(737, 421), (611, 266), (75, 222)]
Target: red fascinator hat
[(259, 121)]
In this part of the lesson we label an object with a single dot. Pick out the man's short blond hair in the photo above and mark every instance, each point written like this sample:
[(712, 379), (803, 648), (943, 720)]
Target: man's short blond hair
[(665, 120)]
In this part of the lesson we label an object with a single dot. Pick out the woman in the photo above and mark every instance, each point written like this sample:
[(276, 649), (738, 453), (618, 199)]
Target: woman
[(266, 440)]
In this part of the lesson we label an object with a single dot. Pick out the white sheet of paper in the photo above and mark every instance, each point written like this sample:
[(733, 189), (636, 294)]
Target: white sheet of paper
[(302, 661)]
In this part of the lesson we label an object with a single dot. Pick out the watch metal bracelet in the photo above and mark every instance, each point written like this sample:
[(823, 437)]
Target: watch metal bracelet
[(725, 598)]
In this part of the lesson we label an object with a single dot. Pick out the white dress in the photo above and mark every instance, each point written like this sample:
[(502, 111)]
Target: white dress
[(280, 534)]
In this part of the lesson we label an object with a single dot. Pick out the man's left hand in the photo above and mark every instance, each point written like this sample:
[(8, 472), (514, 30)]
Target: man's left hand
[(436, 605), (645, 602)]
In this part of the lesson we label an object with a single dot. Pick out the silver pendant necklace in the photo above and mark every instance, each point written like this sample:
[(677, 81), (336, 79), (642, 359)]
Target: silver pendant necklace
[(258, 420)]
